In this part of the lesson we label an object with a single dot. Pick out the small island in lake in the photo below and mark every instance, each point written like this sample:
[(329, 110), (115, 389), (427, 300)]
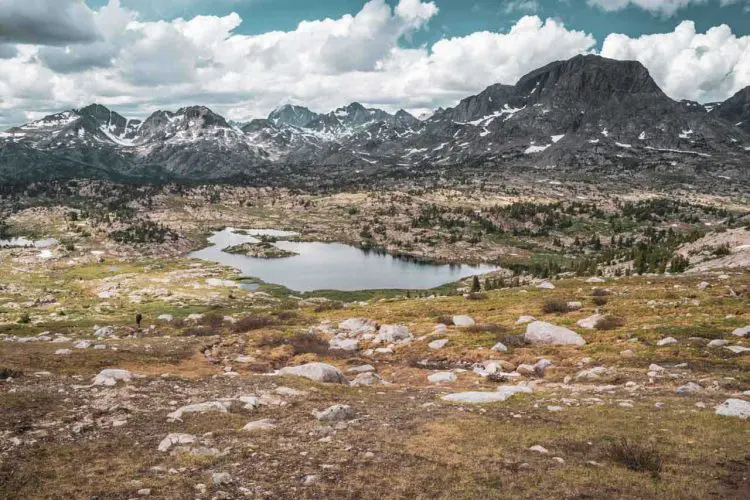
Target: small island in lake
[(260, 250)]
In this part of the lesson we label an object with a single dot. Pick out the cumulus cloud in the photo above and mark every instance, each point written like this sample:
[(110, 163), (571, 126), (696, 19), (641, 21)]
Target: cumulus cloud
[(139, 66), (46, 22), (663, 7), (687, 65)]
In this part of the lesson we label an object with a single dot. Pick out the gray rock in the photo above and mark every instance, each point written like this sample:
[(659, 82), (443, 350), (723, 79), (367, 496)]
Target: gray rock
[(742, 332), (476, 397), (165, 317), (499, 347), (734, 408), (175, 439), (590, 322), (737, 349), (106, 331), (689, 388), (221, 478), (335, 413), (111, 376), (367, 378), (220, 406), (666, 341), (265, 424), (392, 334), (442, 378), (461, 320), (358, 326), (718, 343), (319, 372), (347, 345), (522, 320), (438, 344), (546, 285), (539, 332)]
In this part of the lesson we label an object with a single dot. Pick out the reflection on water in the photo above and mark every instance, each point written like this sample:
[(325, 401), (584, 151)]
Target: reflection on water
[(334, 266)]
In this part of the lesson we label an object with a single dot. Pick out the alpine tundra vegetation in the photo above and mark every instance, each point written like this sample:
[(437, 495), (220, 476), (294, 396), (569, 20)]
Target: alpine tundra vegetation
[(539, 290)]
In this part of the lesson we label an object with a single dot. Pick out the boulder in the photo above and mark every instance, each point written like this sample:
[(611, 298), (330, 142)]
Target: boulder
[(392, 334), (175, 439), (666, 341), (165, 317), (540, 332), (593, 373), (105, 331), (111, 376), (347, 345), (690, 387), (737, 349), (438, 344), (358, 326), (442, 378), (259, 425), (734, 408), (478, 397), (717, 343), (319, 372), (461, 320), (590, 322), (595, 279), (522, 320), (575, 305), (742, 332), (546, 285), (335, 413), (367, 378), (220, 406), (499, 347)]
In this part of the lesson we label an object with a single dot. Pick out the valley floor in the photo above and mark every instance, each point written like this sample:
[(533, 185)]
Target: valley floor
[(199, 401), (606, 418)]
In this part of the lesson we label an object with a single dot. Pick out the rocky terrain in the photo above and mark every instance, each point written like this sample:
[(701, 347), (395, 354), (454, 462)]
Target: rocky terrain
[(582, 117), (609, 355)]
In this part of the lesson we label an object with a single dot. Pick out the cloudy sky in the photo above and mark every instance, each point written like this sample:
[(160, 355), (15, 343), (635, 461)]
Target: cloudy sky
[(245, 57)]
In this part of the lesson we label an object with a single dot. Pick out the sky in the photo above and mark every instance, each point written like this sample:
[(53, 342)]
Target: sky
[(243, 58)]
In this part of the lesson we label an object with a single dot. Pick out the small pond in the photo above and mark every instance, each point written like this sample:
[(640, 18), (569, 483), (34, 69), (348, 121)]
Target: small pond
[(330, 266)]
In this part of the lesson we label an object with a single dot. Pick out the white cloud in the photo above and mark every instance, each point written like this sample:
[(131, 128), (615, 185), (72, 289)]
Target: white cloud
[(663, 7), (46, 22), (139, 66), (704, 67)]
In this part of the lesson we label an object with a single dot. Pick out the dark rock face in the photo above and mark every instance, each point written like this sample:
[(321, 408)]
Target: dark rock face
[(586, 112), (736, 109)]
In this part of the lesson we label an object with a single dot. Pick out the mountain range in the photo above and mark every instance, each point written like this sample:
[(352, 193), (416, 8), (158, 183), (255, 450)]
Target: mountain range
[(585, 112)]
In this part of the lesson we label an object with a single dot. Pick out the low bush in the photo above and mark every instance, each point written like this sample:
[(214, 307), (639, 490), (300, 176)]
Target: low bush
[(249, 323), (636, 456), (609, 323), (555, 306)]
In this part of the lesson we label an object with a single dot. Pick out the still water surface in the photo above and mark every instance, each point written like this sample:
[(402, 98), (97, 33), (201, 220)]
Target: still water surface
[(334, 266)]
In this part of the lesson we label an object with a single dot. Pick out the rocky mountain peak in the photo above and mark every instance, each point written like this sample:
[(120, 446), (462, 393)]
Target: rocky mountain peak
[(289, 114)]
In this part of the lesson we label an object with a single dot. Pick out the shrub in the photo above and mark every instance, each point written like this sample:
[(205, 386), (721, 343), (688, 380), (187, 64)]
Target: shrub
[(636, 456), (330, 305), (722, 250), (302, 343), (446, 320), (486, 328), (555, 306), (600, 301), (476, 296), (609, 323), (249, 323), (211, 321), (600, 292), (24, 319)]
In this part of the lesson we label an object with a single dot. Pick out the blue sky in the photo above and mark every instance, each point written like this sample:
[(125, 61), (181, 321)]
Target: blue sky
[(243, 58), (456, 17)]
